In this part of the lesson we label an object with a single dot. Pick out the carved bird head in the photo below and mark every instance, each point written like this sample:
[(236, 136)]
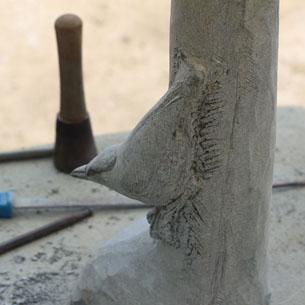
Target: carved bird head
[(101, 168), (108, 169)]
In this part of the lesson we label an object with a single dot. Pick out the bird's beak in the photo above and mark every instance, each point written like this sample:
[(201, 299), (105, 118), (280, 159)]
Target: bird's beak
[(80, 172)]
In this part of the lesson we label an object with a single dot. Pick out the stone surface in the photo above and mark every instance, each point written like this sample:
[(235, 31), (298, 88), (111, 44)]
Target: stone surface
[(203, 156), (47, 279), (287, 218), (44, 271), (287, 221), (15, 176)]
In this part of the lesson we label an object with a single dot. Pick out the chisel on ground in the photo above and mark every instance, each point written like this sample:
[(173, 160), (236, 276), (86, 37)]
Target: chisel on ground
[(10, 206)]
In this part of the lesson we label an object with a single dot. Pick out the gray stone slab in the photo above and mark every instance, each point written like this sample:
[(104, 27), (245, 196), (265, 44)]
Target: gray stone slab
[(45, 271)]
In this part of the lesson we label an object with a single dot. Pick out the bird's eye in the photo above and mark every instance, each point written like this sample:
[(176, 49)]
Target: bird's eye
[(91, 172)]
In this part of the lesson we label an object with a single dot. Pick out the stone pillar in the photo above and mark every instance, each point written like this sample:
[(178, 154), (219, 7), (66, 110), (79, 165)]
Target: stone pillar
[(212, 135)]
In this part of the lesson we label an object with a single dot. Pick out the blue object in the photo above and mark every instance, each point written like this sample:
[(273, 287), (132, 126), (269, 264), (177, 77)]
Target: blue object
[(6, 204)]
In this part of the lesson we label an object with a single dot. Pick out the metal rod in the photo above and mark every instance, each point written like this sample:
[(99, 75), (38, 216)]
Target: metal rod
[(19, 155), (289, 184), (43, 231), (100, 203), (105, 207)]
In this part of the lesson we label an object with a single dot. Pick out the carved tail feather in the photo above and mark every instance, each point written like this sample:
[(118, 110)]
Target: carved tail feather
[(177, 223)]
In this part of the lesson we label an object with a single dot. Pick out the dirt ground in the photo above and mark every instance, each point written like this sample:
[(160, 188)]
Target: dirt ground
[(125, 62)]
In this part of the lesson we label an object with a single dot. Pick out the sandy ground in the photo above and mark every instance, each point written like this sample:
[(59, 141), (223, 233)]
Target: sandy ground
[(125, 47)]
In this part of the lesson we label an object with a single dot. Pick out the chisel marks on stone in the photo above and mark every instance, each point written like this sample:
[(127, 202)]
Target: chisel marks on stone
[(218, 284), (177, 59), (206, 120), (180, 222), (247, 78)]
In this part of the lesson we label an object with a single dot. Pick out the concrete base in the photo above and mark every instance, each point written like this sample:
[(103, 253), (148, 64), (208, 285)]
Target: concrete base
[(45, 271)]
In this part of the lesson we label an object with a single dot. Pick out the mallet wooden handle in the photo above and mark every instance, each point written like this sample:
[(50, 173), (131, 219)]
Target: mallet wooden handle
[(69, 42), (74, 144)]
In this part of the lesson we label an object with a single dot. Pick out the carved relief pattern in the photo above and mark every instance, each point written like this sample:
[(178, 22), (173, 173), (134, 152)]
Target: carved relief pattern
[(180, 222)]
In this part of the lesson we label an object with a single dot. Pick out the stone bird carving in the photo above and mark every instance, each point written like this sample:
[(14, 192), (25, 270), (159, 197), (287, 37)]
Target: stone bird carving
[(169, 155)]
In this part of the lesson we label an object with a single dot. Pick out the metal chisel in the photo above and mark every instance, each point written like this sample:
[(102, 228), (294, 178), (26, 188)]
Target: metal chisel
[(9, 205)]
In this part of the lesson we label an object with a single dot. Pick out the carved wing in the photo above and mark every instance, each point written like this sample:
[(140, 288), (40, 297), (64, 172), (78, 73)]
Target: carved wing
[(177, 222)]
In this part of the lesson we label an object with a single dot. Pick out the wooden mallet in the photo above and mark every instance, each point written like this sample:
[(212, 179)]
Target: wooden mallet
[(74, 144)]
